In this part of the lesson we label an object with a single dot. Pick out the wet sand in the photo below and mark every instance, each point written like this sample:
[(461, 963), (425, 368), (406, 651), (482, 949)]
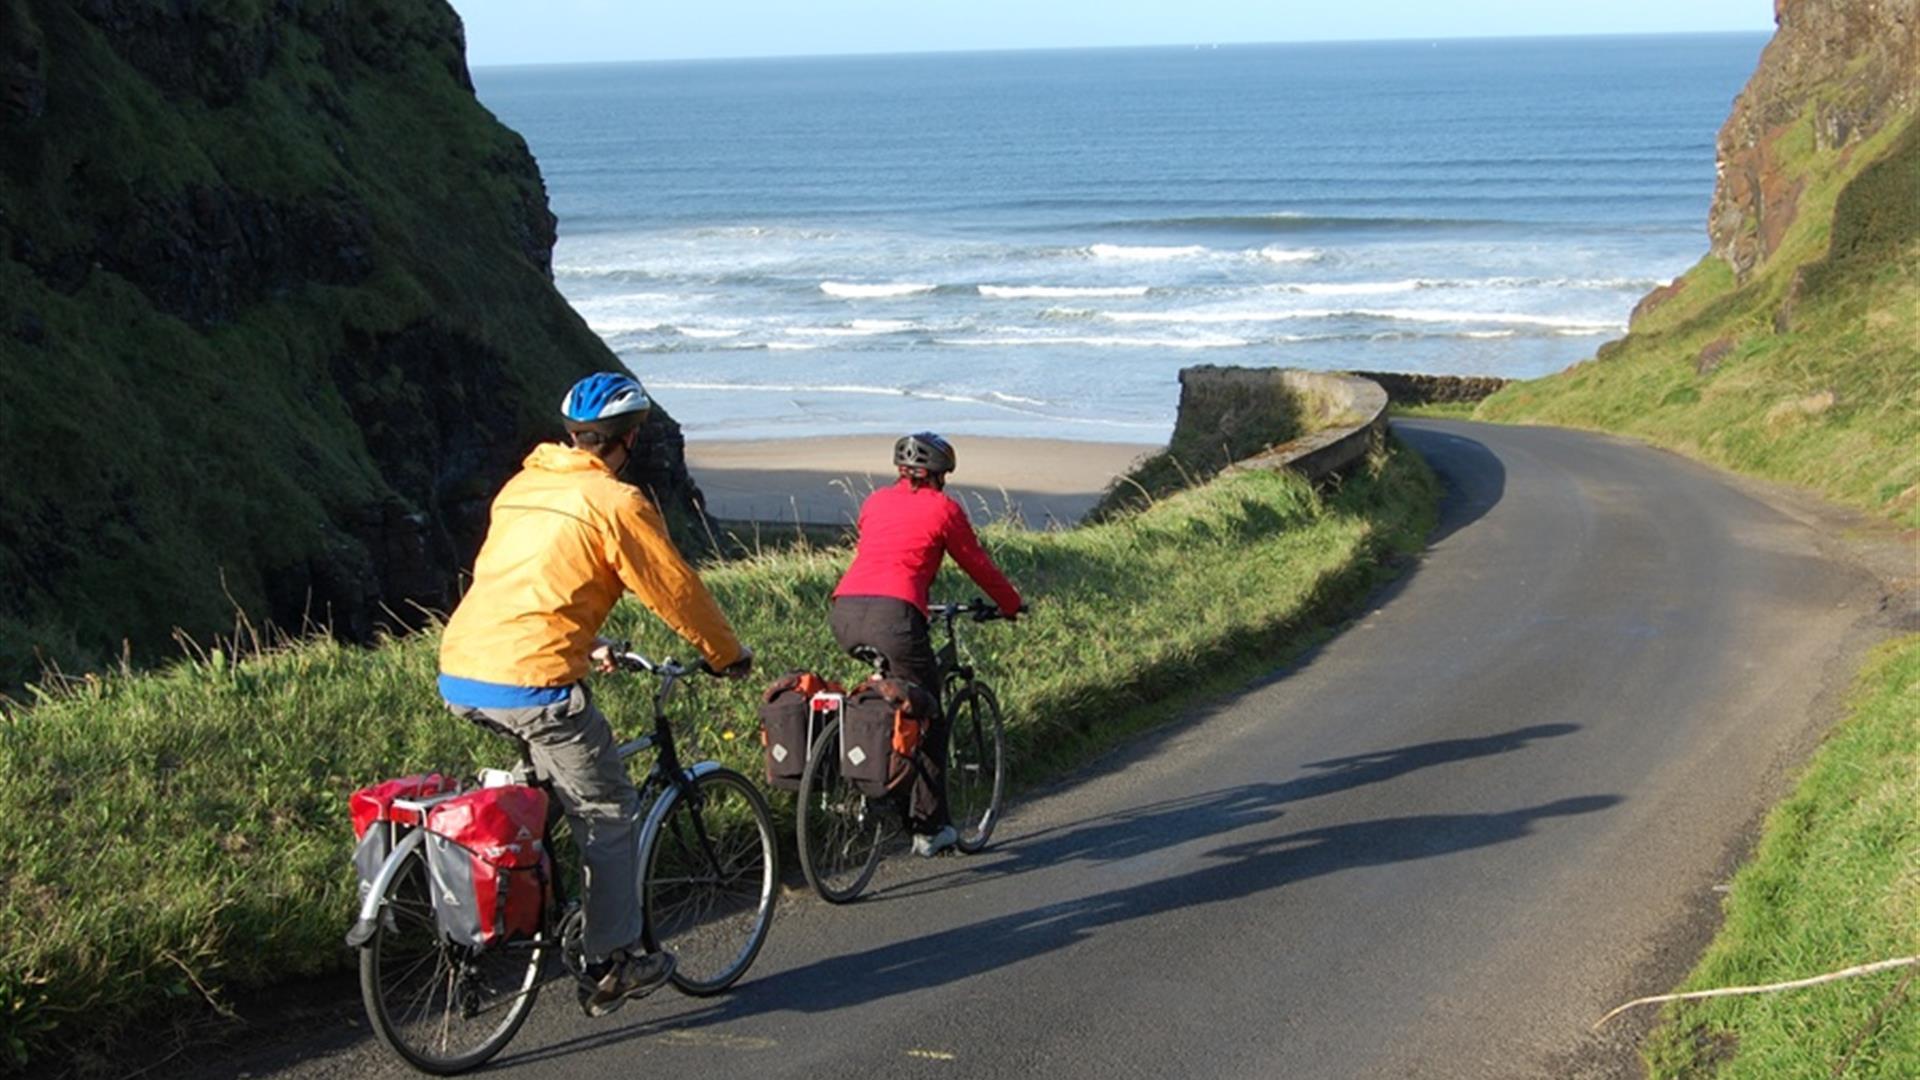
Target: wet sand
[(1042, 482)]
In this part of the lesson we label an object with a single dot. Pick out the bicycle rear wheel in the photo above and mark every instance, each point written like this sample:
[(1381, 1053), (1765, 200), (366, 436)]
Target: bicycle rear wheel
[(442, 1007), (708, 883), (976, 764), (841, 833)]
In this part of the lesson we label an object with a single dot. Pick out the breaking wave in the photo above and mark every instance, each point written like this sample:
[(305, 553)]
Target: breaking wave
[(1433, 315), (1145, 252), (853, 291), (1046, 292)]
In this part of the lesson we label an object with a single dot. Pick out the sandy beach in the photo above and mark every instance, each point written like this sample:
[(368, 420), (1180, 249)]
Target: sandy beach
[(1042, 482)]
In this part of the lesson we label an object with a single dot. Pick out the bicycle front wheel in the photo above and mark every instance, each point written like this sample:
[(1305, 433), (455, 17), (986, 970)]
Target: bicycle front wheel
[(841, 833), (442, 1007), (976, 764), (710, 873)]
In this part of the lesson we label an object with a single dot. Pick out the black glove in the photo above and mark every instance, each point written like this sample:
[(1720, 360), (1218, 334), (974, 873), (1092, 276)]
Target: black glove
[(740, 668)]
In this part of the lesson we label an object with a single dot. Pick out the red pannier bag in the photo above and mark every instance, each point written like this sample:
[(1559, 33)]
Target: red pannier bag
[(792, 712), (883, 724), (373, 805), (492, 878)]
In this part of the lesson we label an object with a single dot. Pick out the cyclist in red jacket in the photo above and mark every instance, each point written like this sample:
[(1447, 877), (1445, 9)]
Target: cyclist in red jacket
[(881, 601)]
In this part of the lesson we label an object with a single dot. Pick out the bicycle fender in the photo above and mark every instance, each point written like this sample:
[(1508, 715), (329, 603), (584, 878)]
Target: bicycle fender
[(369, 918), (657, 813)]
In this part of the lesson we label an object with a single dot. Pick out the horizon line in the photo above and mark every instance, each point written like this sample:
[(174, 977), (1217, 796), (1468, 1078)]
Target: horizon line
[(1190, 46)]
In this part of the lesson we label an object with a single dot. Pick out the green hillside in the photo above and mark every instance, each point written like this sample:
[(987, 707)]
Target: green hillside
[(275, 320)]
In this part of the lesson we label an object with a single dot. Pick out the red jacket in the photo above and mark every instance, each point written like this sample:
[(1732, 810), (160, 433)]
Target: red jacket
[(904, 533)]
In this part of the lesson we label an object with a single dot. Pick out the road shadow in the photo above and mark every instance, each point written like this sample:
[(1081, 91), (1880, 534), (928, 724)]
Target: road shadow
[(1474, 477), (1169, 823), (1475, 481), (1237, 871)]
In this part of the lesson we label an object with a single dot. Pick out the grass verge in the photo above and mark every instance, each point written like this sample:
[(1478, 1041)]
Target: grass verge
[(183, 834), (1437, 410), (1835, 883)]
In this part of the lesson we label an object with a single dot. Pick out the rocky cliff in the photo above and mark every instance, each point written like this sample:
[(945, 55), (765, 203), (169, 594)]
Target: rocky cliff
[(276, 318), (1834, 75)]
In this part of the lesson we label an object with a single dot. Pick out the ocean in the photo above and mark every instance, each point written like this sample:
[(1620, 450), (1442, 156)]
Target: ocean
[(1035, 243)]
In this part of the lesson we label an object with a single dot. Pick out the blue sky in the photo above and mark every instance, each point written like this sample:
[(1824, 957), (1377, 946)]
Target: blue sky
[(571, 31)]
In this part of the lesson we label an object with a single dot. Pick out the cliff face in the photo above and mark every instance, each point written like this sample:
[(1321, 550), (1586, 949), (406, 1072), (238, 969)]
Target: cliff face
[(1835, 73), (276, 318)]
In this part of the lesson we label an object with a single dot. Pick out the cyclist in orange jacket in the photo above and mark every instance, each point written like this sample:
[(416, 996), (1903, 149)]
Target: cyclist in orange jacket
[(881, 602), (566, 538)]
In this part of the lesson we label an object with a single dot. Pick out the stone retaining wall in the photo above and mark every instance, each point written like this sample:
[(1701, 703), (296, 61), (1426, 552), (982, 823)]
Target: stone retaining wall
[(1352, 408), (1407, 389)]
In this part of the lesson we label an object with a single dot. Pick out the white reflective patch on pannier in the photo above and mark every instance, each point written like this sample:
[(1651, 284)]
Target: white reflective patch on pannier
[(779, 752), (856, 755)]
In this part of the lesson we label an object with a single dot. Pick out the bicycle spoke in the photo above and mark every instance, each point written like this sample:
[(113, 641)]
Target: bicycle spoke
[(440, 1006), (709, 889)]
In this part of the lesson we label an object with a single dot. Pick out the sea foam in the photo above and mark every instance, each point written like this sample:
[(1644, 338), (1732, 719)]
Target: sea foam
[(1353, 288), (856, 328), (1273, 253), (853, 291), (1098, 342), (1145, 252), (1048, 292), (1435, 315)]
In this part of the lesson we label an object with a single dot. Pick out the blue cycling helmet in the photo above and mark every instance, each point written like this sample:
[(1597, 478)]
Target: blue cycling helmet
[(604, 396)]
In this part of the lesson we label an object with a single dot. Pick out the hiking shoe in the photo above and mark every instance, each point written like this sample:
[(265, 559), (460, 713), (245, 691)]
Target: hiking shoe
[(613, 982), (928, 846)]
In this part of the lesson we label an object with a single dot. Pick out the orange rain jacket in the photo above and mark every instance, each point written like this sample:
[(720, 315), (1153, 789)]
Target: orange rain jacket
[(566, 538)]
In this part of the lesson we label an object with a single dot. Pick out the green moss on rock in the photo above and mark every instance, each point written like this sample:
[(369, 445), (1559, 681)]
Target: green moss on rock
[(276, 317)]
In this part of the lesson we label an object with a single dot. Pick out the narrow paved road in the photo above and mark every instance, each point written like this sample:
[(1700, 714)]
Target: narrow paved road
[(1440, 846)]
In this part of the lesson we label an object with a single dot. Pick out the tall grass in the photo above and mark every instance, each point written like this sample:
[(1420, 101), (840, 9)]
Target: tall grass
[(184, 832), (1835, 883)]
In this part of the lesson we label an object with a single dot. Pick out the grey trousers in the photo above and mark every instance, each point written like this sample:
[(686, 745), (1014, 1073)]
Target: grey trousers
[(572, 747)]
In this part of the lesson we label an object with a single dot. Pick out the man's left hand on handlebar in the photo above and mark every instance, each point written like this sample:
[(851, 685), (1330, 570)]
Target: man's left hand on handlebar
[(602, 655)]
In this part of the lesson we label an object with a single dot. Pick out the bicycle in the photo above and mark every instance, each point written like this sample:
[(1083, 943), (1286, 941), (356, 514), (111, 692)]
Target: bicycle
[(843, 833), (708, 880)]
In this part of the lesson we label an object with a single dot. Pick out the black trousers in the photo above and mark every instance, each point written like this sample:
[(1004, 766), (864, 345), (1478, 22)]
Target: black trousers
[(898, 630)]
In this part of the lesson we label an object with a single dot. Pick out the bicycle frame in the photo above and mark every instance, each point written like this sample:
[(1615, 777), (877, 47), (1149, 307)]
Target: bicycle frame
[(951, 658)]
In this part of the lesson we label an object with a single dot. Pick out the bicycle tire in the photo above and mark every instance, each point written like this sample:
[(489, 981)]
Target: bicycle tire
[(840, 832), (419, 988), (976, 765), (711, 903)]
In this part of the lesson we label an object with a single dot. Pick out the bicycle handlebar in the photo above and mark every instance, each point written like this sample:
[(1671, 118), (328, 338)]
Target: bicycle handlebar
[(626, 659), (981, 610)]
